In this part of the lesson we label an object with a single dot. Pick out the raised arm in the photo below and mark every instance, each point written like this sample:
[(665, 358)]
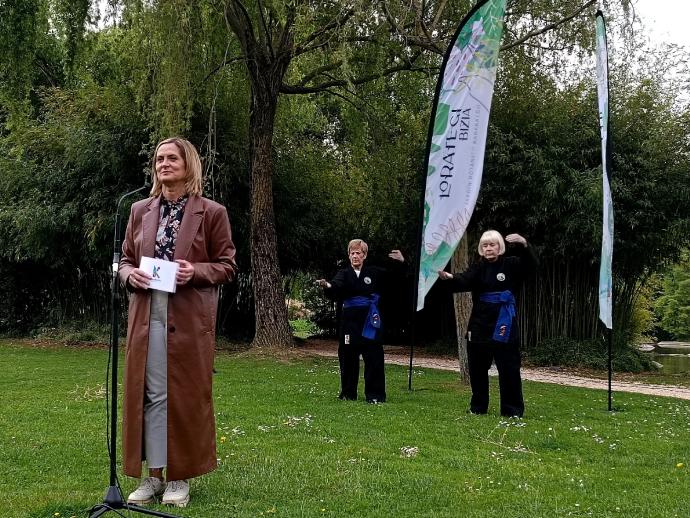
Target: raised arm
[(525, 253)]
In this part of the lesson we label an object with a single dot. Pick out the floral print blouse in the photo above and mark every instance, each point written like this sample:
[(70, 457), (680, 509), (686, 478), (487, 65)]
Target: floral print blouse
[(169, 222)]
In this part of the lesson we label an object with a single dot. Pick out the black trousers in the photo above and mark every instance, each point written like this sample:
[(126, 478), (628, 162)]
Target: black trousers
[(374, 373), (507, 358)]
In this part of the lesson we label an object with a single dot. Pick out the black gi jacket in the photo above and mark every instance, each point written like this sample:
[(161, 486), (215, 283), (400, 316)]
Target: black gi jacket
[(505, 273), (346, 284)]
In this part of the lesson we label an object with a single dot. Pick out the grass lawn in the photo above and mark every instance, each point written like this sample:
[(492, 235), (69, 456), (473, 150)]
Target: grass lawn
[(288, 447)]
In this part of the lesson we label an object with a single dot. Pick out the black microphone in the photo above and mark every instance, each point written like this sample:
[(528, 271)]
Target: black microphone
[(117, 240)]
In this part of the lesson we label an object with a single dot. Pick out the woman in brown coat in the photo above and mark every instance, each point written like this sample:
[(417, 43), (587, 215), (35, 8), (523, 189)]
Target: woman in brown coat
[(168, 407)]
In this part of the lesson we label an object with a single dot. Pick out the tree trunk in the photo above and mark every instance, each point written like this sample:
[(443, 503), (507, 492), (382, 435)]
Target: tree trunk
[(272, 327), (267, 59), (463, 307)]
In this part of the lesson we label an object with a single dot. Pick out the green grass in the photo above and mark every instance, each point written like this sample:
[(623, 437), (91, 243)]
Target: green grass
[(288, 447)]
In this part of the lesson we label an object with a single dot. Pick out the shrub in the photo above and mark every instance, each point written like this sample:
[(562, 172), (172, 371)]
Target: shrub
[(672, 308), (77, 332), (303, 328), (566, 352)]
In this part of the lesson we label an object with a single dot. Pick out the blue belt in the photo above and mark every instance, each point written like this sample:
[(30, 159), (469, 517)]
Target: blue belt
[(505, 315), (373, 320)]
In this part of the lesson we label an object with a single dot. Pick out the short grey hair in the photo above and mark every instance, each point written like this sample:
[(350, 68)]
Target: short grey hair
[(492, 236), (357, 243)]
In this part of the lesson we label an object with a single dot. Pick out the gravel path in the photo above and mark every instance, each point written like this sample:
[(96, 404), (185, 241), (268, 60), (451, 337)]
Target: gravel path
[(400, 356)]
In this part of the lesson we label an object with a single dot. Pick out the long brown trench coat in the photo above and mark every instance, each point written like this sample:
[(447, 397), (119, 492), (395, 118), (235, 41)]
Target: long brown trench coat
[(204, 239)]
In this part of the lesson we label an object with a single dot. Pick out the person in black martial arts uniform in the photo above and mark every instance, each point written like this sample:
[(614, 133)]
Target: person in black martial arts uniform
[(492, 333), (359, 289)]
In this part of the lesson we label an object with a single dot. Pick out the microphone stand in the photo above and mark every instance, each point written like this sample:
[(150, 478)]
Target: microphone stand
[(114, 500)]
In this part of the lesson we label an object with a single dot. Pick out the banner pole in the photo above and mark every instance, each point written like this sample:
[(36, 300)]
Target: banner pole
[(454, 141), (606, 298), (610, 340)]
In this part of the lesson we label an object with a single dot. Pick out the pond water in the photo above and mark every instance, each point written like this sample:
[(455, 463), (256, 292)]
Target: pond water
[(674, 356)]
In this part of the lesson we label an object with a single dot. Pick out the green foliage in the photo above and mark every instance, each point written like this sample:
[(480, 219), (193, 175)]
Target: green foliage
[(62, 173), (303, 328), (76, 333), (673, 307), (309, 311), (311, 199), (166, 60), (642, 319), (60, 177), (71, 16), (21, 34), (593, 354), (322, 310), (651, 233)]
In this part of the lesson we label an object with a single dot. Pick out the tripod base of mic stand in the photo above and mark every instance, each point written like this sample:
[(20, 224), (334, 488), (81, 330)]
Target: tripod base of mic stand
[(114, 502)]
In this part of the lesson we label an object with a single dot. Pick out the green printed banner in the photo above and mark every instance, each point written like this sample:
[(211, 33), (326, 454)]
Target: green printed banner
[(605, 270), (457, 138)]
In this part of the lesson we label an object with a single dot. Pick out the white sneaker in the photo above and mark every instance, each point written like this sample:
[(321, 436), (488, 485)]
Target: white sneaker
[(176, 493), (149, 488)]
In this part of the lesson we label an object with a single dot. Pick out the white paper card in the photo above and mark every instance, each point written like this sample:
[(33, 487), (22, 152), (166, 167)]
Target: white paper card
[(162, 273)]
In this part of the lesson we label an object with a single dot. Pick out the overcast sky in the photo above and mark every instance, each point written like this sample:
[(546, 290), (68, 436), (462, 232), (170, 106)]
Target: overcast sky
[(667, 20)]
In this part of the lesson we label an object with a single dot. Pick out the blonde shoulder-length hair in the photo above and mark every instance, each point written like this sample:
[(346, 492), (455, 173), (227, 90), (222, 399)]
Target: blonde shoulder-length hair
[(194, 181), (492, 236)]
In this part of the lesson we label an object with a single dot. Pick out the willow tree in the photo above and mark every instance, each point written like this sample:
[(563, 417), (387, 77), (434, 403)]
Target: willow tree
[(308, 47)]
